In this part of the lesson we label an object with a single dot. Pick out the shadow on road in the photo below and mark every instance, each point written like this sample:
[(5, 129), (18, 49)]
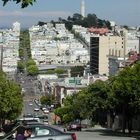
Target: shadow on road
[(108, 132)]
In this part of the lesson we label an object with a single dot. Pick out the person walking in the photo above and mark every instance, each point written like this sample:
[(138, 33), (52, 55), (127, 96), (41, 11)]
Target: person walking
[(20, 131)]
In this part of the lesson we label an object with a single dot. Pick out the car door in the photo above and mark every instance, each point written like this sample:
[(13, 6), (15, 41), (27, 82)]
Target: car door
[(41, 133)]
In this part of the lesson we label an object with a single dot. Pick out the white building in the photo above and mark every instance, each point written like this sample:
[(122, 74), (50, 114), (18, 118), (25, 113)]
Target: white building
[(16, 26), (82, 8)]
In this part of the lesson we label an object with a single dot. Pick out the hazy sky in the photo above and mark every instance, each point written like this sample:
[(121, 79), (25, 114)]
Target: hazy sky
[(123, 12)]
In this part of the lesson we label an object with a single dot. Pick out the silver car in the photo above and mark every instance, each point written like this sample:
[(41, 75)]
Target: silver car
[(43, 132)]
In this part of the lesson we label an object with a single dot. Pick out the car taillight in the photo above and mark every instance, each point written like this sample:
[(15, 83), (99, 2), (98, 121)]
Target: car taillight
[(73, 136)]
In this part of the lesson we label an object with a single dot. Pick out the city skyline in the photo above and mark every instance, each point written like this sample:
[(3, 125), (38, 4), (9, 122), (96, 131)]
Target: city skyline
[(124, 12)]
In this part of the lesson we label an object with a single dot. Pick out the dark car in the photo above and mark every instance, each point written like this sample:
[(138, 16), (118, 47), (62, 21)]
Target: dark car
[(74, 126), (43, 132)]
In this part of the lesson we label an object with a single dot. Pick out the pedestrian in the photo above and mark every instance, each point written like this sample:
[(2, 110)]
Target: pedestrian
[(2, 133), (27, 133), (7, 127), (20, 131)]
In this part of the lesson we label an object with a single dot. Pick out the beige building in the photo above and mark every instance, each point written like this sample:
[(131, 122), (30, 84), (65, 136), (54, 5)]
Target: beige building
[(102, 49)]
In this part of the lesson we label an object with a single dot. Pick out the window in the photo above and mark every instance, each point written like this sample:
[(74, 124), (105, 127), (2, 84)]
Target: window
[(41, 131)]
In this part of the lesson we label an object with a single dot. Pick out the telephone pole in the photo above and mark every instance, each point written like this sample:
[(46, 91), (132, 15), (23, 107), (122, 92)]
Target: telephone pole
[(1, 57)]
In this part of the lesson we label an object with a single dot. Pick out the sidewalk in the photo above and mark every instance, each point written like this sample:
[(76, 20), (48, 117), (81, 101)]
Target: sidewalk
[(96, 127), (110, 132)]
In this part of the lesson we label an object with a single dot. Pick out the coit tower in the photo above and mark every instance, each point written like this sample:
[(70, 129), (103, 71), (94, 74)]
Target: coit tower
[(82, 10)]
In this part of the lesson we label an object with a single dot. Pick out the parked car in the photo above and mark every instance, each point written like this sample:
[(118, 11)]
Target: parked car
[(46, 111), (36, 109), (74, 126), (43, 132)]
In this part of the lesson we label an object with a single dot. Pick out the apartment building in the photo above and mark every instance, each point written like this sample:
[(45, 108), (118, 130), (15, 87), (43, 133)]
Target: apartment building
[(102, 50)]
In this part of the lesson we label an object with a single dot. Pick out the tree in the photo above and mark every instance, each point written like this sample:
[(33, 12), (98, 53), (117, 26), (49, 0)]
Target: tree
[(10, 98), (98, 93), (61, 111), (23, 3), (92, 20), (50, 72), (126, 91), (77, 70), (32, 70), (59, 71), (20, 65), (30, 62), (47, 100), (77, 17)]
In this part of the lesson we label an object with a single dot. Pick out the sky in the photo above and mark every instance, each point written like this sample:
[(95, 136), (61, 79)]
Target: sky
[(123, 12)]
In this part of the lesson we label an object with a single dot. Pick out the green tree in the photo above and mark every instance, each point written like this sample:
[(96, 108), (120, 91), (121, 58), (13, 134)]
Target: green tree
[(23, 3), (92, 20), (98, 103), (30, 62), (77, 70), (71, 109), (61, 111), (21, 65), (50, 72), (126, 91), (10, 98), (50, 99), (77, 17), (45, 100), (59, 71), (32, 70)]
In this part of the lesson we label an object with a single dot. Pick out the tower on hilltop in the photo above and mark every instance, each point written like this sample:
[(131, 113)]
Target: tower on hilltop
[(82, 10)]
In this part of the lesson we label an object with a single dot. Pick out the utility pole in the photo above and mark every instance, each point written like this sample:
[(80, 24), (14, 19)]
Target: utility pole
[(125, 43), (1, 59)]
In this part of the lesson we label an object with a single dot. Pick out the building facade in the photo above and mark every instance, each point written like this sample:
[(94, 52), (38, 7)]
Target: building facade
[(102, 50)]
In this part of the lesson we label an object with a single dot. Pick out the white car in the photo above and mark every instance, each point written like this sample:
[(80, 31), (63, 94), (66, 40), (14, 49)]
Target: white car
[(46, 111), (36, 109), (43, 132), (44, 108)]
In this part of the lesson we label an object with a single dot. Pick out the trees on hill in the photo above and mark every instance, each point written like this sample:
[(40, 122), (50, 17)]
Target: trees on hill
[(91, 20)]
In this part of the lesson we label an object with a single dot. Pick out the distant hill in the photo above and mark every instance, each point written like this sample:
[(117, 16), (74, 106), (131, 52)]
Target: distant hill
[(91, 20)]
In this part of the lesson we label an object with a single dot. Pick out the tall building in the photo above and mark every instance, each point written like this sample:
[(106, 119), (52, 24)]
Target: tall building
[(16, 26), (82, 10), (103, 50)]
